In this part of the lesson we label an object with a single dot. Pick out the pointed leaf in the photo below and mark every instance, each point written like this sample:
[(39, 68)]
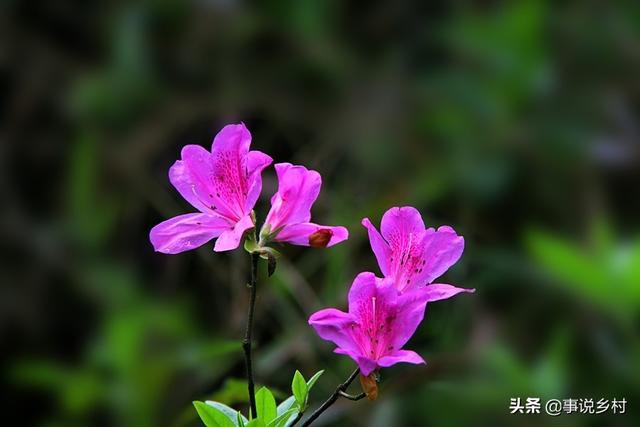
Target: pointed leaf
[(299, 389), (282, 420), (241, 420), (313, 379), (265, 405), (231, 413), (285, 405), (212, 417)]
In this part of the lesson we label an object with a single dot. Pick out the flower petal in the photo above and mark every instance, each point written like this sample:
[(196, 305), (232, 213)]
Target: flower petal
[(379, 246), (416, 256), (410, 312), (188, 231), (398, 356), (366, 365), (403, 229), (398, 223), (229, 164), (363, 288), (442, 249), (232, 139), (334, 325), (231, 238), (310, 234), (298, 189), (440, 291), (190, 177), (257, 161)]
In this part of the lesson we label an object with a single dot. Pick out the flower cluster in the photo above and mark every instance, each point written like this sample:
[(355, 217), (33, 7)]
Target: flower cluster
[(224, 186), (385, 312)]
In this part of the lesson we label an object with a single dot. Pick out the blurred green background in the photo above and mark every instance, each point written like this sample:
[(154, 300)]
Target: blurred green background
[(514, 122)]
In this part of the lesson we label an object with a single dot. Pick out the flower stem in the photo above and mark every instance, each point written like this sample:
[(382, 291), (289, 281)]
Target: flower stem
[(340, 391), (246, 342)]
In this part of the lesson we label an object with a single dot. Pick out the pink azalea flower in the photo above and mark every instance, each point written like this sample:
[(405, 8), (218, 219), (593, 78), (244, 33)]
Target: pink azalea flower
[(288, 219), (379, 323), (414, 256), (223, 185)]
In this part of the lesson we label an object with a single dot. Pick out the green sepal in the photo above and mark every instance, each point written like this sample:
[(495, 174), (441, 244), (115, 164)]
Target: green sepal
[(250, 245), (266, 252)]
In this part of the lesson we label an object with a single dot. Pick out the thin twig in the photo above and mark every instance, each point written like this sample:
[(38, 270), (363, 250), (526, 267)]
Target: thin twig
[(332, 399), (246, 343), (354, 397)]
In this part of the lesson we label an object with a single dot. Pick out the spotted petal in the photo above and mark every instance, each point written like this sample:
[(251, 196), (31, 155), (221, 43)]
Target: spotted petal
[(410, 254)]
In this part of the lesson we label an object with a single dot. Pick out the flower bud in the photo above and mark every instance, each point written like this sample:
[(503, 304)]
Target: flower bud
[(321, 238)]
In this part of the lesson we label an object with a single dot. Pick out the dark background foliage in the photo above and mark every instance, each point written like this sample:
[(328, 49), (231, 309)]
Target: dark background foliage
[(514, 122)]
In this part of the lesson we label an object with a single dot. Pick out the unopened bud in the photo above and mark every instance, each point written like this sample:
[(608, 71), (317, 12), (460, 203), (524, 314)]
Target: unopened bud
[(321, 238)]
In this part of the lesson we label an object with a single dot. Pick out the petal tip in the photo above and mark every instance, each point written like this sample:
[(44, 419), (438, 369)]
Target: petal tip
[(339, 235)]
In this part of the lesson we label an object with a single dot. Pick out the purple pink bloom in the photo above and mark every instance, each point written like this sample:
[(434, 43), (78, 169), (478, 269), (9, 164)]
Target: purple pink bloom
[(412, 255), (384, 313), (289, 218), (223, 185), (379, 323)]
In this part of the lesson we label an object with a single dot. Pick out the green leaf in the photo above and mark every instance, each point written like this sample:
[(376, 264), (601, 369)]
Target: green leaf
[(231, 413), (241, 420), (285, 405), (212, 417), (256, 423), (313, 379), (299, 389), (282, 419), (265, 405)]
